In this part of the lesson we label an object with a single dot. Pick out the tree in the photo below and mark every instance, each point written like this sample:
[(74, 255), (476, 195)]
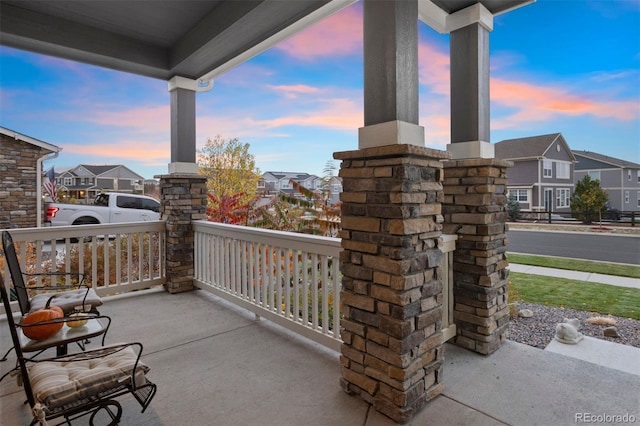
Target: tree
[(588, 200), (513, 208), (230, 169)]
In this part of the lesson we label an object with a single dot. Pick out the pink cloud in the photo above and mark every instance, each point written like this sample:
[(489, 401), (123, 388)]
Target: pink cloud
[(433, 68), (339, 34), (533, 102), (150, 153), (292, 91), (143, 120), (337, 113)]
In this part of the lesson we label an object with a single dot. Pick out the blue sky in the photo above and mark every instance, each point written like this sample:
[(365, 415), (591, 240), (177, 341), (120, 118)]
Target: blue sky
[(568, 66)]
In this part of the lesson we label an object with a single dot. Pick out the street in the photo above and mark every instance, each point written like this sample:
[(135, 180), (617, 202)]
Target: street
[(603, 247)]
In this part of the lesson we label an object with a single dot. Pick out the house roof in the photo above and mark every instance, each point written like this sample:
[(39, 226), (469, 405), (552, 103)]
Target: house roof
[(297, 176), (616, 162), (529, 147), (195, 39), (30, 140), (98, 170)]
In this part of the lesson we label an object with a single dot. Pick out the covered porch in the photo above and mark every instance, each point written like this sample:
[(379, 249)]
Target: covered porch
[(215, 363), (399, 197)]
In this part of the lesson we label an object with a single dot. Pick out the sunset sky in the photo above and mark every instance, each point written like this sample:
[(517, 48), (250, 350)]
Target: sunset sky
[(568, 66)]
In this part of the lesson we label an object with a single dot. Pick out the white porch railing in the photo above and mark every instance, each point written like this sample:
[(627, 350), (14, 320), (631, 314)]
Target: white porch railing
[(291, 279), (115, 258)]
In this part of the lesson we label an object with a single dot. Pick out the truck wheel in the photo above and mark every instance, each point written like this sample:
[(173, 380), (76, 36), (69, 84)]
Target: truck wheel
[(86, 221)]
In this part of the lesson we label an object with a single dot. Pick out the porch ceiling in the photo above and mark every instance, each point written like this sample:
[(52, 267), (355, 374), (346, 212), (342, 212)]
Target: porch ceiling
[(167, 38), (154, 38)]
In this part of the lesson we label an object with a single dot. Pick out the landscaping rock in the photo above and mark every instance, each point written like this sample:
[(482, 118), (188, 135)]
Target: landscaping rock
[(567, 331), (610, 332), (525, 313)]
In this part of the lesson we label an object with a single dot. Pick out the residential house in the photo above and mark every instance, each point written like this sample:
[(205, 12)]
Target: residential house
[(21, 159), (84, 181), (274, 182), (335, 188), (618, 178), (542, 176)]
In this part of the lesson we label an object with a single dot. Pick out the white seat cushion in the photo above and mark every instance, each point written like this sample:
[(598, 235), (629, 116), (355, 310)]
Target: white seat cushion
[(59, 383), (66, 300)]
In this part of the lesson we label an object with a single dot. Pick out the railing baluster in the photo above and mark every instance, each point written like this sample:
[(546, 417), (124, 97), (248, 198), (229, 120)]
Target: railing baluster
[(296, 286), (314, 291), (325, 295), (118, 242)]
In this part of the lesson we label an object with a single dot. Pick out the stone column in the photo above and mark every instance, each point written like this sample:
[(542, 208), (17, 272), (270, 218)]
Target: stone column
[(391, 295), (183, 198), (475, 209)]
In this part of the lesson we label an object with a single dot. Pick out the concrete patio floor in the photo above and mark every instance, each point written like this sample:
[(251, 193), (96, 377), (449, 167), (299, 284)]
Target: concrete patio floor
[(215, 364)]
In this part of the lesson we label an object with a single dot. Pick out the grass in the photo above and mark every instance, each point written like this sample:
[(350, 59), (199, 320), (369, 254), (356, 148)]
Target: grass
[(580, 295), (621, 270)]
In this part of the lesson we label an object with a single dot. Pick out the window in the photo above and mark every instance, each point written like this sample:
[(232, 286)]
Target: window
[(285, 185), (638, 196), (547, 168), (629, 175), (563, 170), (126, 202), (68, 181), (152, 205), (594, 175), (626, 197), (261, 184), (563, 197), (521, 195), (638, 176)]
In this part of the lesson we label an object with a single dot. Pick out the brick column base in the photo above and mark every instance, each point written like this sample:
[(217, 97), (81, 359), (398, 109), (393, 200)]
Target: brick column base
[(183, 198), (475, 209), (392, 351)]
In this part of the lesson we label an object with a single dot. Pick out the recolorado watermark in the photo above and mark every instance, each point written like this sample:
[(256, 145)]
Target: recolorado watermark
[(604, 418)]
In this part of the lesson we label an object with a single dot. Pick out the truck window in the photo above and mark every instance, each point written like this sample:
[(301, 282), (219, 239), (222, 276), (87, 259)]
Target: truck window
[(102, 200), (125, 202), (152, 205)]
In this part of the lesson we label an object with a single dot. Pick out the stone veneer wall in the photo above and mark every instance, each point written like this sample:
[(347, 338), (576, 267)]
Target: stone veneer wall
[(183, 198), (475, 209), (392, 351), (18, 177)]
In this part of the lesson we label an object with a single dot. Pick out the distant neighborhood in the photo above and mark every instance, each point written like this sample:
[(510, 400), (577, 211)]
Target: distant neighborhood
[(543, 177)]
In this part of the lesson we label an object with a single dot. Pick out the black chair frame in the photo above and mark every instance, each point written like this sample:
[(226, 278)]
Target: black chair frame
[(21, 290), (92, 404)]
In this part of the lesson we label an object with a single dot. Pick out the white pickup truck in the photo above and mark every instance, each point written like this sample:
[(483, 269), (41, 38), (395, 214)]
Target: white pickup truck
[(108, 207)]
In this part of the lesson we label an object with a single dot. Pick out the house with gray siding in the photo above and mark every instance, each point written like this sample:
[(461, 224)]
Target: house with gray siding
[(83, 182), (618, 178), (542, 176)]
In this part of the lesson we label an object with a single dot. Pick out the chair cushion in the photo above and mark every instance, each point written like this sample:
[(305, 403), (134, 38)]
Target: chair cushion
[(66, 300), (59, 383)]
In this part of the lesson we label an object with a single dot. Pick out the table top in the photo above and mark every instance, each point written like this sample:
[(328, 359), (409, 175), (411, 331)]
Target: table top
[(94, 327)]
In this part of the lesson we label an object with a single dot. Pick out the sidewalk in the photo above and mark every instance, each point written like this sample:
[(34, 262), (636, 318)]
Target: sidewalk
[(576, 275)]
